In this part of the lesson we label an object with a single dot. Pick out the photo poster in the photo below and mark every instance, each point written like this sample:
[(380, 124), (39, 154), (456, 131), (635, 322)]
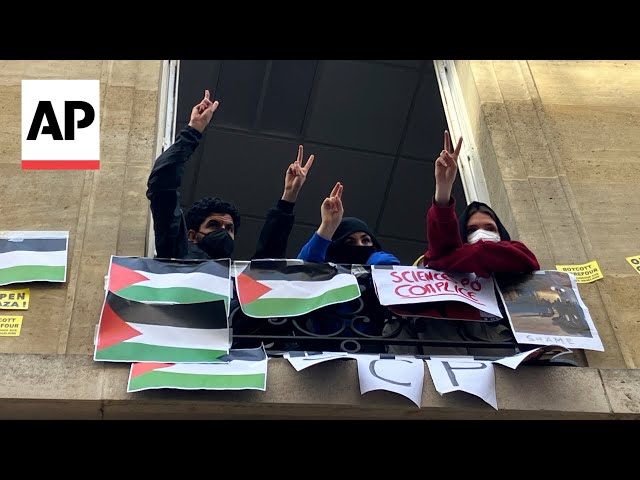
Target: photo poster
[(545, 308)]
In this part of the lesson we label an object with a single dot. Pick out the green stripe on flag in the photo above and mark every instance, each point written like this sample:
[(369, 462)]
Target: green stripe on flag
[(141, 293), (279, 307), (140, 352), (160, 379), (32, 273)]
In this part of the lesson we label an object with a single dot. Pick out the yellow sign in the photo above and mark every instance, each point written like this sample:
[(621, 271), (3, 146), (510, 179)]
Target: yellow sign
[(635, 262), (585, 273), (14, 299), (10, 326)]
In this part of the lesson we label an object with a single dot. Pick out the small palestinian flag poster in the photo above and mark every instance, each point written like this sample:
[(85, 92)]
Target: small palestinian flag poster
[(288, 288), (242, 369), (165, 311), (32, 256), (150, 280), (131, 331)]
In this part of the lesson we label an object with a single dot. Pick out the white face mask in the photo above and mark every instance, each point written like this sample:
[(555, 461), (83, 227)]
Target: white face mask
[(485, 235)]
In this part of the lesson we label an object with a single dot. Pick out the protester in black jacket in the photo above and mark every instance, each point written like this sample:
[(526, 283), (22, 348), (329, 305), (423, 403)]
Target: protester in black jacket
[(208, 228)]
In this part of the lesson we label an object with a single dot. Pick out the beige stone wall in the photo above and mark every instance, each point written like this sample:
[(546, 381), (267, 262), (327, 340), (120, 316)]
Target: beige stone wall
[(105, 210), (560, 149)]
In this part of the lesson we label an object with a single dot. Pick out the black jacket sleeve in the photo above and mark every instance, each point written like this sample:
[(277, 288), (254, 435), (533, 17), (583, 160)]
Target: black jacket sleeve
[(275, 232), (162, 190)]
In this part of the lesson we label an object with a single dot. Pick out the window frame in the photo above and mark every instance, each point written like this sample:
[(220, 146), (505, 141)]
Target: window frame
[(166, 126), (469, 165)]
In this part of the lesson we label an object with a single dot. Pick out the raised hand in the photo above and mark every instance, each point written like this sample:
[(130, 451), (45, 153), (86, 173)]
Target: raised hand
[(295, 176), (446, 170), (202, 113), (331, 212)]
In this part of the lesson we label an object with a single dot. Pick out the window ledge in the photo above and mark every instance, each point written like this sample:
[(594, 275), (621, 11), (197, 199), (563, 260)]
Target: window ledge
[(76, 387)]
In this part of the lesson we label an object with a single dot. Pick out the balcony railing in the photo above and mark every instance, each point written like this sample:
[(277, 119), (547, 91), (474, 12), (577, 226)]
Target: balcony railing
[(363, 325)]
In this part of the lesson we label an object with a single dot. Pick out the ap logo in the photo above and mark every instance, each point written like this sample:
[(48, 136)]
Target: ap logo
[(60, 124)]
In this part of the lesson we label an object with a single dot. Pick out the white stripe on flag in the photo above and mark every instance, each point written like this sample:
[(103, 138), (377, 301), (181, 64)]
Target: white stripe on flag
[(21, 258), (198, 280), (235, 367), (166, 336), (302, 289)]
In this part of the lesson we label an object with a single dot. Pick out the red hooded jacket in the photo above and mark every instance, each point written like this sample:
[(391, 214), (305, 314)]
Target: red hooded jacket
[(448, 251)]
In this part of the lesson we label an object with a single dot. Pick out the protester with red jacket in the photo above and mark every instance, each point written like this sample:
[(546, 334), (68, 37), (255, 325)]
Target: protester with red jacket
[(478, 241)]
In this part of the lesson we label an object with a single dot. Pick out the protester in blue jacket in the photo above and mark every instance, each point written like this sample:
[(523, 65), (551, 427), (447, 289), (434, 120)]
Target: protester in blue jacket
[(343, 240)]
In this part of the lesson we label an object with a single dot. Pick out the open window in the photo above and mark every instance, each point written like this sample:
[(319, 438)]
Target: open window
[(375, 125)]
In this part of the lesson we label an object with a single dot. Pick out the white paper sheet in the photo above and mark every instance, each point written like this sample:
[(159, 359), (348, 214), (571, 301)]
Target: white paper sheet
[(400, 374), (472, 376), (302, 360)]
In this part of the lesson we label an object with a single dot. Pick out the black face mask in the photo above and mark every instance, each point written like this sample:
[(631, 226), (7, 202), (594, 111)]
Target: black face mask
[(349, 254), (217, 244)]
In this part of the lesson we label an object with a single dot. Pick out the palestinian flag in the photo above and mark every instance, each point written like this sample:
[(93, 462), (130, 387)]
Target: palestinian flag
[(168, 281), (277, 288), (33, 257), (245, 369), (131, 331)]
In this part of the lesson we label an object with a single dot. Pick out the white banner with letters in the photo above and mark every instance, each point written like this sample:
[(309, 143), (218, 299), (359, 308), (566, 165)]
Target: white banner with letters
[(472, 376), (398, 374), (397, 285)]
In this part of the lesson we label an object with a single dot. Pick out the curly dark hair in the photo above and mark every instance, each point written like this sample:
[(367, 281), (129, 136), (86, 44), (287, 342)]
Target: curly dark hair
[(204, 207)]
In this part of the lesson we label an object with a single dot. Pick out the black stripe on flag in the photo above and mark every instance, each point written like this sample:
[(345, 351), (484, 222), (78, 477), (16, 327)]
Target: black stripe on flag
[(219, 268), (191, 315), (281, 270), (33, 245), (246, 354)]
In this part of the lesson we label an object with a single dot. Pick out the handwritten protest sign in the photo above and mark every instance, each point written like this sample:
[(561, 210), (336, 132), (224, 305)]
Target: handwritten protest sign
[(400, 285)]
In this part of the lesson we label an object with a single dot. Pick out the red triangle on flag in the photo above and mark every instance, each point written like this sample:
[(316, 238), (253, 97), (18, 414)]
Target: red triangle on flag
[(113, 329), (250, 289), (121, 277), (140, 368)]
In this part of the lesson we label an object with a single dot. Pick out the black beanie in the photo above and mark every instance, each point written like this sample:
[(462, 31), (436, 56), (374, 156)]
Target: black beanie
[(350, 225)]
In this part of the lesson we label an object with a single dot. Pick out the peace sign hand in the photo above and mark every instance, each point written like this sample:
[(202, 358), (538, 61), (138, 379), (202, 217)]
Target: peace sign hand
[(446, 169), (331, 212), (296, 176)]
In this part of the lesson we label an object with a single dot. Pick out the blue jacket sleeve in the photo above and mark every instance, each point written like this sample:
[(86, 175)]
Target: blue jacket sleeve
[(382, 258), (315, 249)]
